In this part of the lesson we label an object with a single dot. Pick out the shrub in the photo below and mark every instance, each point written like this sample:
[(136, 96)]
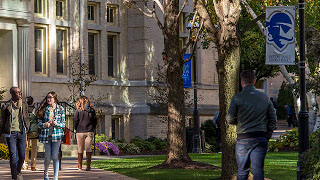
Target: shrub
[(160, 144), (4, 151), (288, 140), (128, 148), (143, 145), (210, 148), (101, 138), (211, 135), (311, 158)]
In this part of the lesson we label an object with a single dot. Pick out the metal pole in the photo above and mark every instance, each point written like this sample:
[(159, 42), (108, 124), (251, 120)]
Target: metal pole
[(196, 132), (303, 114)]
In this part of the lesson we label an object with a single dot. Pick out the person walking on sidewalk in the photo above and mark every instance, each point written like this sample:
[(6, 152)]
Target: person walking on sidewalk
[(32, 136), (14, 123), (85, 122), (51, 121), (254, 116)]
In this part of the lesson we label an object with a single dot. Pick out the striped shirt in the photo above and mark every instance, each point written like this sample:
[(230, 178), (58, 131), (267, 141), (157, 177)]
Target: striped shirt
[(57, 132)]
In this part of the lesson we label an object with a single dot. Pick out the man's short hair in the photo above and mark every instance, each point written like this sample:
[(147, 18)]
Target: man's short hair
[(248, 77), (12, 89)]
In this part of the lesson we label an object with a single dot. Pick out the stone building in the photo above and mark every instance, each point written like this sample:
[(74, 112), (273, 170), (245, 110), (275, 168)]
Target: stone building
[(40, 39)]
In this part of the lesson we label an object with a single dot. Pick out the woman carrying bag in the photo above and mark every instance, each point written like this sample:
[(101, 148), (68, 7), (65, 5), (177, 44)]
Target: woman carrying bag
[(85, 122), (52, 122)]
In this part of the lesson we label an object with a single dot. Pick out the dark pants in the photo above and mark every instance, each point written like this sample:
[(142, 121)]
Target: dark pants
[(17, 146), (251, 150), (290, 121)]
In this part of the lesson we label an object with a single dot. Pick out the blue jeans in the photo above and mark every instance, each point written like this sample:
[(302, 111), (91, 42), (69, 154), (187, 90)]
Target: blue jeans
[(251, 150), (17, 146), (52, 152)]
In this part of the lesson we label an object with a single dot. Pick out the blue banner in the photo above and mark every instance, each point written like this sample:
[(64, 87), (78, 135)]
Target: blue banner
[(186, 74)]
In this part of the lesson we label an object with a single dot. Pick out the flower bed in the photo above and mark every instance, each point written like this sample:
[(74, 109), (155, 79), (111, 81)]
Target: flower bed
[(4, 151)]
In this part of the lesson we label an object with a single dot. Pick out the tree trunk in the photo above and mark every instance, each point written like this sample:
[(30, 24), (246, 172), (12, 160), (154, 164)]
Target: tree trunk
[(177, 151), (228, 69)]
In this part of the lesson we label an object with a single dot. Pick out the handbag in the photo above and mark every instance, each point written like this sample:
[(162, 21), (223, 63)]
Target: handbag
[(67, 136)]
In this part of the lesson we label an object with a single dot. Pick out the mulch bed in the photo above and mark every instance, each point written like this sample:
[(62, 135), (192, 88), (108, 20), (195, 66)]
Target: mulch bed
[(186, 165)]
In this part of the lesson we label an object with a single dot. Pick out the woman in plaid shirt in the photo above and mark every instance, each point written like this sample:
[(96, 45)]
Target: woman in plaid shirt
[(51, 121)]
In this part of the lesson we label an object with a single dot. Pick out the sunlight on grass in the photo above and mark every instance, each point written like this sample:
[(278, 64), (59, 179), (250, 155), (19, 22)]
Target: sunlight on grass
[(277, 166)]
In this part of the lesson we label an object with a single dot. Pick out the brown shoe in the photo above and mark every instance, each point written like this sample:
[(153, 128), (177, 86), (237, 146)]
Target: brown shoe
[(89, 155), (80, 158), (33, 168)]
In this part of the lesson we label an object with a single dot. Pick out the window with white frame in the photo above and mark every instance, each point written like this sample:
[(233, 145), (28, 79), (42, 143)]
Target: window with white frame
[(61, 48), (93, 55), (40, 8), (61, 9), (112, 12), (93, 12), (112, 54), (40, 49)]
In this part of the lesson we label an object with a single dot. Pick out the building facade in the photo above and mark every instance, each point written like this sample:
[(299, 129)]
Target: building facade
[(43, 42)]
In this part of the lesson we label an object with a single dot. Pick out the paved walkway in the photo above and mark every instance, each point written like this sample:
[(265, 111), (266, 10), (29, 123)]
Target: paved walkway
[(282, 127), (69, 171)]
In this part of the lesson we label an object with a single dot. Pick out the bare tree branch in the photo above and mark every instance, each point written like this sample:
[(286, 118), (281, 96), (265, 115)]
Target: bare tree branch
[(156, 18), (207, 22), (140, 9), (152, 13), (217, 8), (263, 15), (254, 16), (160, 5), (183, 5)]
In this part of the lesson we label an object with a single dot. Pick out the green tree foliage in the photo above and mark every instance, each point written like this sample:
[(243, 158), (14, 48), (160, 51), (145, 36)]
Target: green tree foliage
[(253, 45)]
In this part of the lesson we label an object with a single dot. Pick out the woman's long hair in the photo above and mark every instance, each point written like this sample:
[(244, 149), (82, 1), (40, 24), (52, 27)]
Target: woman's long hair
[(82, 101), (41, 108)]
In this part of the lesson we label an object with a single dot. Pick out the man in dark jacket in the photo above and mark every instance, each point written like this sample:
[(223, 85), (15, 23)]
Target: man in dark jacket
[(15, 124), (253, 114)]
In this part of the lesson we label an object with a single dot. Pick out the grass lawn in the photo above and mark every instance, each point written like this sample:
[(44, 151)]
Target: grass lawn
[(278, 165)]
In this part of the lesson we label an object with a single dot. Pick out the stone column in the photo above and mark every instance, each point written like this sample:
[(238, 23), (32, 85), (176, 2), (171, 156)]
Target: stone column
[(24, 57)]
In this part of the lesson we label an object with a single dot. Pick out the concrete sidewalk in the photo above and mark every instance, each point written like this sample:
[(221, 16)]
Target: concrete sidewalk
[(69, 171)]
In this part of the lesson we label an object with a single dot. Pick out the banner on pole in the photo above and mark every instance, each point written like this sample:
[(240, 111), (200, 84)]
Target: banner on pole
[(280, 29), (186, 74)]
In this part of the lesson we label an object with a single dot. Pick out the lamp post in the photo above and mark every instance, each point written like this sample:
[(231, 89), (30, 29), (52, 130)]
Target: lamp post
[(196, 131), (303, 113)]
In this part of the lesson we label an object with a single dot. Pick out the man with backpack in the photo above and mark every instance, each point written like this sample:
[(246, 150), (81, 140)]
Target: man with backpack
[(32, 136)]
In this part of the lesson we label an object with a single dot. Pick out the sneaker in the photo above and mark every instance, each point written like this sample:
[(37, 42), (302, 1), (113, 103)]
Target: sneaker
[(25, 166), (33, 169), (46, 176), (19, 176)]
